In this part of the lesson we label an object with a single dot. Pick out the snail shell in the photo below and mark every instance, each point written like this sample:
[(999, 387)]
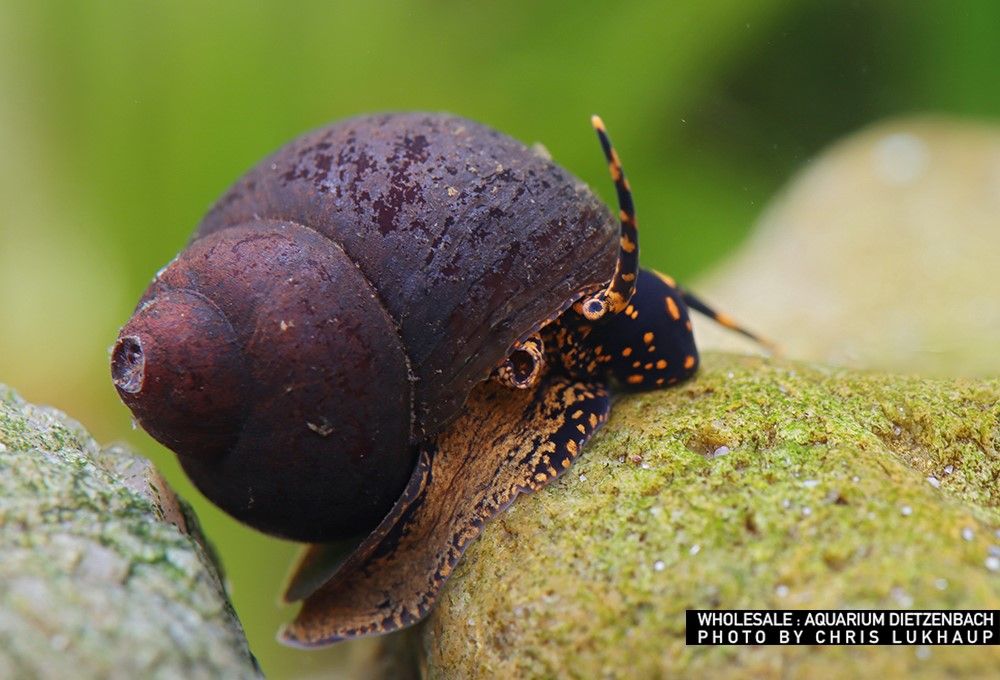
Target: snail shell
[(340, 302)]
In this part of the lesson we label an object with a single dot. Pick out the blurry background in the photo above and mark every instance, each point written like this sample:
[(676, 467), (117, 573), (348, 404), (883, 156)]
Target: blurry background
[(121, 122)]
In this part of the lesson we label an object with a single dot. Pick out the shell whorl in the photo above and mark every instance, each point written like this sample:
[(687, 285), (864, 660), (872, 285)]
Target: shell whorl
[(471, 238), (270, 369)]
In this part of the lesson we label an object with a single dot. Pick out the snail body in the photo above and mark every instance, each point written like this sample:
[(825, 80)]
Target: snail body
[(385, 332)]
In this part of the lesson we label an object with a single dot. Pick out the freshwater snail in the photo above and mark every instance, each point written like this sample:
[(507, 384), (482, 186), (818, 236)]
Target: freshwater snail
[(385, 332)]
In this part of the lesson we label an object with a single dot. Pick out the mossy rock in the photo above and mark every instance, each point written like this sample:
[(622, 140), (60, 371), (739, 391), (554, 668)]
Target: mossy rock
[(103, 573), (759, 484)]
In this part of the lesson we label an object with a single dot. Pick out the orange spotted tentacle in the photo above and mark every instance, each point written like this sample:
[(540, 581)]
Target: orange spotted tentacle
[(616, 296), (726, 321)]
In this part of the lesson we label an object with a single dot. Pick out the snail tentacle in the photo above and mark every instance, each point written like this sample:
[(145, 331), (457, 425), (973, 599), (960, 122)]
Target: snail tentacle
[(619, 291)]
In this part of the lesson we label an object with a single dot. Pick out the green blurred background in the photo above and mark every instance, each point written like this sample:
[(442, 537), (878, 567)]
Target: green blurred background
[(120, 123)]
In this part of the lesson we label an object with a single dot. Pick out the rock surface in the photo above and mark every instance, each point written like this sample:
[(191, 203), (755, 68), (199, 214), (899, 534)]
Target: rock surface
[(882, 253), (761, 484), (103, 573)]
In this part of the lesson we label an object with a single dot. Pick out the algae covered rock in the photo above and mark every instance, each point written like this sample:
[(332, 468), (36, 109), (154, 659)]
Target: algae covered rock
[(760, 484), (102, 571), (882, 253)]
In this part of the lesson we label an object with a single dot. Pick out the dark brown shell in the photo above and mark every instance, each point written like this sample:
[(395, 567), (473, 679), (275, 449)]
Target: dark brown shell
[(470, 239), (260, 357), (339, 304)]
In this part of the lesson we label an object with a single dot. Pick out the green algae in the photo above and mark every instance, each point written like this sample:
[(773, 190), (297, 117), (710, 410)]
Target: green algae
[(102, 572), (760, 484)]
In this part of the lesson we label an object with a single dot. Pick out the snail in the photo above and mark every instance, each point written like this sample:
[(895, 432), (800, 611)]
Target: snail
[(384, 333)]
